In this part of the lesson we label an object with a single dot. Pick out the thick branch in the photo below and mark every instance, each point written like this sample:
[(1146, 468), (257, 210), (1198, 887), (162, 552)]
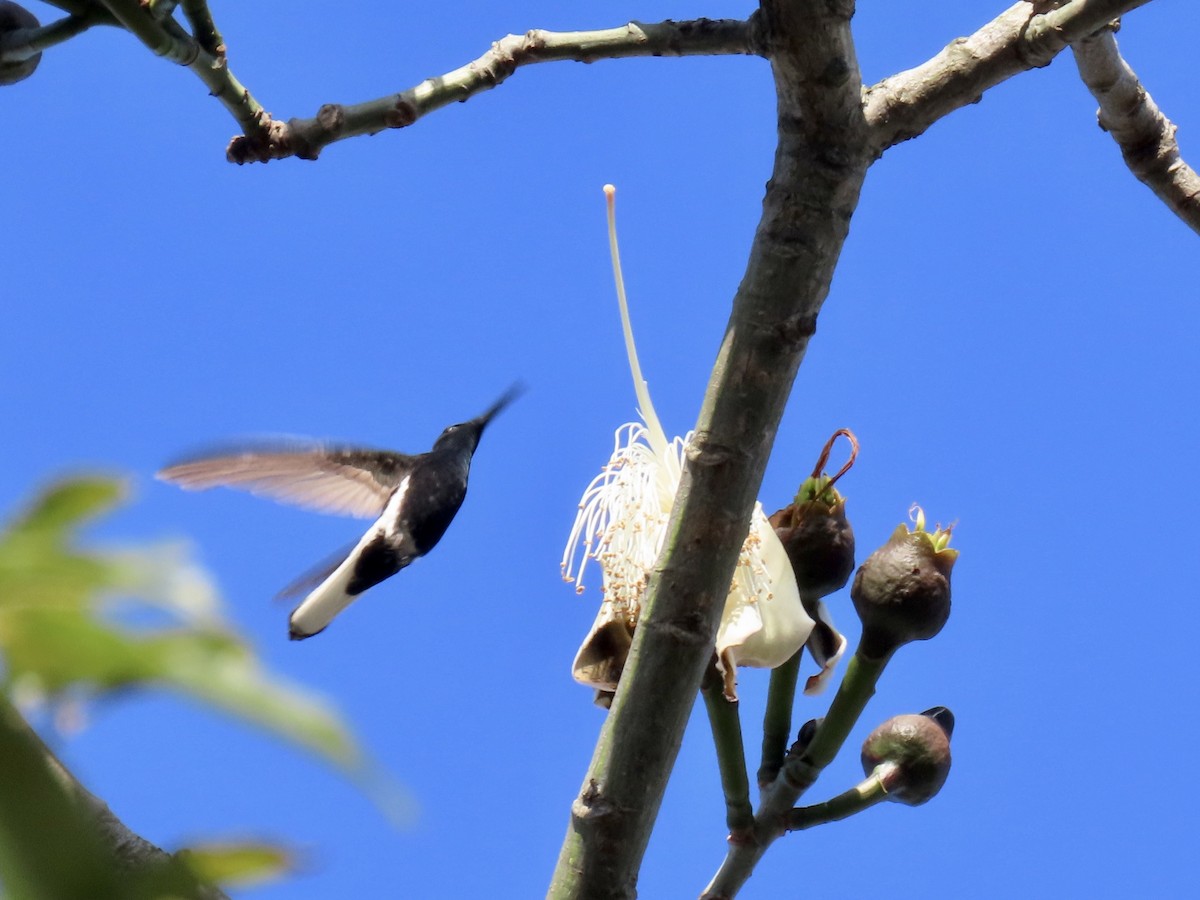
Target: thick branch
[(306, 138), (63, 840), (820, 163), (1146, 137), (1020, 38)]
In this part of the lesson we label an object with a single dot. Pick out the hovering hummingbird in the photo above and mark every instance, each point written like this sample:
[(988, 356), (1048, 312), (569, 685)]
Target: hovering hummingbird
[(414, 500)]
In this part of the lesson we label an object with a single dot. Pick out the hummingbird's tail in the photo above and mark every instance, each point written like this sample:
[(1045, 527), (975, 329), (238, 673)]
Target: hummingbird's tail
[(373, 559), (328, 599)]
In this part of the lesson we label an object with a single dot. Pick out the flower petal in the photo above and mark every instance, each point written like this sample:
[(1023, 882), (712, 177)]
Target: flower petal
[(827, 646), (763, 627), (601, 657)]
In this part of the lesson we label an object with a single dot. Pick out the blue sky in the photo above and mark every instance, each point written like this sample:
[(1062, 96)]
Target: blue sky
[(1010, 333)]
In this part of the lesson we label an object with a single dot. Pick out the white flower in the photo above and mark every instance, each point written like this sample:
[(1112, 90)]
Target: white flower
[(621, 525)]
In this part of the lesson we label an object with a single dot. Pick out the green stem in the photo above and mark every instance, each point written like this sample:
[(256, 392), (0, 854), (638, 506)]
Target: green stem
[(726, 727), (777, 720), (862, 796), (799, 772), (857, 687)]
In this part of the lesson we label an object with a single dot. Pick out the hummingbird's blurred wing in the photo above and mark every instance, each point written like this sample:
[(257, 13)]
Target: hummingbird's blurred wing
[(352, 481), (316, 575)]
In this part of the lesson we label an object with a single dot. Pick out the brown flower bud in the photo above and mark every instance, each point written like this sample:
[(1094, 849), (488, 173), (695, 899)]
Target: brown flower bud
[(814, 529), (902, 591), (819, 543), (911, 754)]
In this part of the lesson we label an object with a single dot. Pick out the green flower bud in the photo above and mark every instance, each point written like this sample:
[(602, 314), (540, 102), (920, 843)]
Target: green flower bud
[(911, 755), (12, 18), (902, 591)]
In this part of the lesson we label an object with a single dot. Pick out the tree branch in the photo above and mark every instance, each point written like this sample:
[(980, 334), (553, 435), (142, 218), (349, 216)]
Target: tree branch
[(306, 138), (1022, 37), (820, 164), (1146, 136)]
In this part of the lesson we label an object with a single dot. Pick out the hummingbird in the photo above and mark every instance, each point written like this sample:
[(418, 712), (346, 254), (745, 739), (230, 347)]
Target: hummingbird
[(413, 500)]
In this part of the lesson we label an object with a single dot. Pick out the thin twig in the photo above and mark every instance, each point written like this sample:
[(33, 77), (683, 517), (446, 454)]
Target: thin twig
[(1146, 136), (167, 39), (306, 138), (22, 43), (204, 29), (83, 8), (906, 104)]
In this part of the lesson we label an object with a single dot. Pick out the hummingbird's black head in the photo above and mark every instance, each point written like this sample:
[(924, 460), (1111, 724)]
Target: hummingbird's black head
[(465, 435)]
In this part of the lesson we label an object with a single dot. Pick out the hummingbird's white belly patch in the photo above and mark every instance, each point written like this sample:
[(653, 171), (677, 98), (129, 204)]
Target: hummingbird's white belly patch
[(389, 521)]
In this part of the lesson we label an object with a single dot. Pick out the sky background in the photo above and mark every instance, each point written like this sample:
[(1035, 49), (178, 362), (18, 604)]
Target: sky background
[(1010, 332)]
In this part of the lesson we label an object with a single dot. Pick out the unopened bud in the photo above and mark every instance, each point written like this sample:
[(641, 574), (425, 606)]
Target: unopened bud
[(12, 18), (815, 532), (902, 591), (943, 717), (804, 737), (911, 754)]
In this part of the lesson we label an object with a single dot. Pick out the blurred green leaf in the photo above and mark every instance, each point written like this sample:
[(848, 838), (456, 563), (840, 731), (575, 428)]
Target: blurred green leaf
[(238, 864), (69, 503), (59, 636), (226, 675)]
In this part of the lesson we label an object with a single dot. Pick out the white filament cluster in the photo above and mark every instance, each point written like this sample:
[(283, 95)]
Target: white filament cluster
[(622, 522), (622, 517)]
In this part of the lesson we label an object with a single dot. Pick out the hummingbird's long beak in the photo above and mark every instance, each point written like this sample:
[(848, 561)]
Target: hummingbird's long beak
[(509, 396)]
